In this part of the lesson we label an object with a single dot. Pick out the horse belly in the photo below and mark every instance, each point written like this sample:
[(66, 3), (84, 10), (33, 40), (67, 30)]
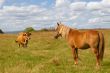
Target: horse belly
[(85, 46)]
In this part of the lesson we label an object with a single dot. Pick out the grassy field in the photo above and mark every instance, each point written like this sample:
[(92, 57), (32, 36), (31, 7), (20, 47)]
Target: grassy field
[(48, 55)]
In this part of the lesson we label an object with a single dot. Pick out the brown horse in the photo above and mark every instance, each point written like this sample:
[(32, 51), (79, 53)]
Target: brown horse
[(82, 40)]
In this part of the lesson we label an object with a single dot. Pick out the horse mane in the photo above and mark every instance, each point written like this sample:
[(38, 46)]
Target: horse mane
[(67, 29), (68, 26)]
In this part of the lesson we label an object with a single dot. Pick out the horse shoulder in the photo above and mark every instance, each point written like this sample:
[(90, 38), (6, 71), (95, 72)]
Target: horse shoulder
[(75, 38)]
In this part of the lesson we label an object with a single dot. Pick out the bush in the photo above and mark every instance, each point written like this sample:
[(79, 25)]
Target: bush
[(47, 29), (44, 29), (29, 29), (1, 31)]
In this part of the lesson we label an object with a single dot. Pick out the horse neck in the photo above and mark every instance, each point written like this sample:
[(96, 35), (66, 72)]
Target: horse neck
[(74, 31), (66, 32)]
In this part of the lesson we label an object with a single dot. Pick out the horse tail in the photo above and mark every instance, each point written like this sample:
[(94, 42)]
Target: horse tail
[(101, 46)]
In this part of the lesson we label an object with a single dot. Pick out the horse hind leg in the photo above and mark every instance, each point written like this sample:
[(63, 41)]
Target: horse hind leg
[(96, 52)]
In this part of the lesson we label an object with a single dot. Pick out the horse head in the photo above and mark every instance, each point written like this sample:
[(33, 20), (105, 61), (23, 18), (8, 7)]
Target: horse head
[(58, 28), (61, 30)]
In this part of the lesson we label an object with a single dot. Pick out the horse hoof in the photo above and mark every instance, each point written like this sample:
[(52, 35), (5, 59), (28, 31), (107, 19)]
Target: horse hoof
[(98, 67)]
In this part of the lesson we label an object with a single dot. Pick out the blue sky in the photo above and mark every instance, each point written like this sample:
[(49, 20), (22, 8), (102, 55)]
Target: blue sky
[(17, 15), (28, 2)]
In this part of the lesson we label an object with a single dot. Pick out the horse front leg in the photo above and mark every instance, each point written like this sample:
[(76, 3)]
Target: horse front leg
[(75, 55), (76, 52)]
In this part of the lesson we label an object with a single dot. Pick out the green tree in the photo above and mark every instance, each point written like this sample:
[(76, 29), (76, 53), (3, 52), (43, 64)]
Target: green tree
[(1, 31), (29, 29)]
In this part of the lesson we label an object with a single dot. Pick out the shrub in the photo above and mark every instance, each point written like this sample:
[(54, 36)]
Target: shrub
[(29, 29), (1, 31)]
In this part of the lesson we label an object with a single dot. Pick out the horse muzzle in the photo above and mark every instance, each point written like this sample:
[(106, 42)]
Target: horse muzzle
[(56, 37)]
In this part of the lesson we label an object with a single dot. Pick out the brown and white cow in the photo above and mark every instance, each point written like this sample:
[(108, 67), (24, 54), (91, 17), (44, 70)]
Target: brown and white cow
[(23, 38)]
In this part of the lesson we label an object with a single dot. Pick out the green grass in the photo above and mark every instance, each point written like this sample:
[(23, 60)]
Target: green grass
[(45, 54)]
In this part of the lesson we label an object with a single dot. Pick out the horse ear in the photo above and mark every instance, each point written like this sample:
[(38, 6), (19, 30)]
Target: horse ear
[(58, 24)]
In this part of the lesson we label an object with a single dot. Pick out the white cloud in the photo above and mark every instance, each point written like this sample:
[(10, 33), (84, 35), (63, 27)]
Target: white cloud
[(75, 13), (1, 2), (99, 20), (20, 16), (100, 12), (61, 3), (94, 20), (94, 6), (105, 3), (23, 9), (78, 6)]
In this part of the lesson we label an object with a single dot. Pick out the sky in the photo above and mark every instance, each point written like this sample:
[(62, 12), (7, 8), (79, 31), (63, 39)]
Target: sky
[(16, 15)]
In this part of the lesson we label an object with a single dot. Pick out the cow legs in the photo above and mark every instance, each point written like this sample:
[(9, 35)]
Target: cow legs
[(19, 44), (96, 52), (75, 55), (22, 45), (25, 43)]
